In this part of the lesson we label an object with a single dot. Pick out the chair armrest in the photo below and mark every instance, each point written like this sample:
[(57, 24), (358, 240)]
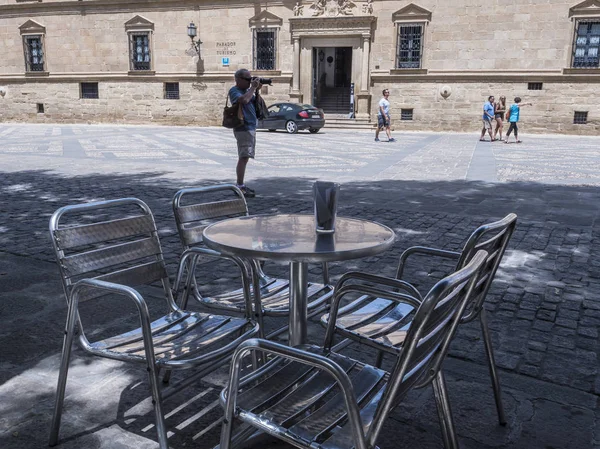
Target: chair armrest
[(390, 282), (339, 293), (229, 394), (193, 254), (426, 251), (118, 289)]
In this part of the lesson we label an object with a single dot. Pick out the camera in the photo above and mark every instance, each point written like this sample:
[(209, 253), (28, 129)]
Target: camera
[(263, 81)]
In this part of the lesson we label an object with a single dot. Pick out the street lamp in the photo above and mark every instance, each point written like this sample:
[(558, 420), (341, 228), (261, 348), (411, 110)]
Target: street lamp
[(192, 33)]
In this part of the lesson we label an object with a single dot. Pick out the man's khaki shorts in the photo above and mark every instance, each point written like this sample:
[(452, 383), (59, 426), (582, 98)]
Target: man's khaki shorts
[(246, 142), (487, 124)]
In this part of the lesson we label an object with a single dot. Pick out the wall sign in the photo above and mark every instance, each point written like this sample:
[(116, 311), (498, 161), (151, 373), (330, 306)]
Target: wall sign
[(225, 62), (226, 48)]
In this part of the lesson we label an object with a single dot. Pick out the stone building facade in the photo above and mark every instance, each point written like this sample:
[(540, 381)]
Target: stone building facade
[(94, 61)]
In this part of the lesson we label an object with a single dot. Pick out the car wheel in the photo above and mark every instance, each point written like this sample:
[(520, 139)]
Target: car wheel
[(291, 127), (272, 130), (314, 130)]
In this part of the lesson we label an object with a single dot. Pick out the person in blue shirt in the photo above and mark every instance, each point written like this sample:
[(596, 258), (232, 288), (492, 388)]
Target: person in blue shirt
[(244, 92), (488, 116), (513, 118)]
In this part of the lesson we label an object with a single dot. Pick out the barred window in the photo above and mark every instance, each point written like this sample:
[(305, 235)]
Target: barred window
[(89, 90), (172, 91), (406, 114), (34, 53), (265, 49), (586, 45), (410, 46), (535, 86), (580, 117), (139, 50)]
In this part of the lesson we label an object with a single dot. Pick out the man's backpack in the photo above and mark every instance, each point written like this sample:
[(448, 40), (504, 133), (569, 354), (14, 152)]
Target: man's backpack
[(261, 107), (233, 116)]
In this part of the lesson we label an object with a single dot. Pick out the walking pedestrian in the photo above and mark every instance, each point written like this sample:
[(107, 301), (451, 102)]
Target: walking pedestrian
[(513, 117), (383, 117), (488, 116), (244, 92), (499, 111)]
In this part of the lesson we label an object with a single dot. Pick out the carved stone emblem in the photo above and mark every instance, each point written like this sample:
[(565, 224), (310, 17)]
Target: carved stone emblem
[(332, 8), (367, 8)]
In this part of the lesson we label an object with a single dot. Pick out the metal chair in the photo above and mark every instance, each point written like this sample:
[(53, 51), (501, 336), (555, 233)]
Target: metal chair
[(193, 213), (383, 324), (115, 257), (312, 397)]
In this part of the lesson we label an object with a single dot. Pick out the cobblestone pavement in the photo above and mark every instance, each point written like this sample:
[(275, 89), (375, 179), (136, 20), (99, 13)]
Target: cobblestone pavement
[(432, 189)]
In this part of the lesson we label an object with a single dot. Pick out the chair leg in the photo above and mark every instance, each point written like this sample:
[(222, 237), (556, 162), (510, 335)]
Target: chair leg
[(492, 366), (444, 411), (161, 427), (227, 429), (62, 376)]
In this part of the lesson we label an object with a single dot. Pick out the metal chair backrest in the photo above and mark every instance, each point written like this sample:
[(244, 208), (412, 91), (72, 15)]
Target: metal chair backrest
[(493, 238), (124, 249), (194, 216), (428, 338)]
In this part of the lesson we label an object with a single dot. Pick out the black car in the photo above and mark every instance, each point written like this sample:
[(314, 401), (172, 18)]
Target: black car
[(292, 117)]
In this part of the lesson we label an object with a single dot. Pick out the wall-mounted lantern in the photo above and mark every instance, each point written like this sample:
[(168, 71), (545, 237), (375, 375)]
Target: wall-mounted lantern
[(192, 33), (321, 55)]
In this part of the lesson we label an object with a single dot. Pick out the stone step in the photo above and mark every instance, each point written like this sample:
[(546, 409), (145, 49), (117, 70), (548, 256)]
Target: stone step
[(340, 122)]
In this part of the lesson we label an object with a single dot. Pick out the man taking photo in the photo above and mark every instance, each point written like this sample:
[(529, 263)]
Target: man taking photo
[(244, 92)]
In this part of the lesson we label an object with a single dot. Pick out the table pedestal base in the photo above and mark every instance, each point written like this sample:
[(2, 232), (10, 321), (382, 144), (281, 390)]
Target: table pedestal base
[(298, 303)]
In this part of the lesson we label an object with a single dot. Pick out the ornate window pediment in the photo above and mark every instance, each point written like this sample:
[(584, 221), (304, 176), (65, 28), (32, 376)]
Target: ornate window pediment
[(265, 19), (412, 13), (32, 27), (139, 23), (586, 9)]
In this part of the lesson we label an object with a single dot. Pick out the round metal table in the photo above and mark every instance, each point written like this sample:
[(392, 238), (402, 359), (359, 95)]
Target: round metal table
[(292, 239)]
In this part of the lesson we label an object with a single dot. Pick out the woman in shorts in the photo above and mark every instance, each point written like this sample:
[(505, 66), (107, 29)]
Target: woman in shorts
[(499, 111)]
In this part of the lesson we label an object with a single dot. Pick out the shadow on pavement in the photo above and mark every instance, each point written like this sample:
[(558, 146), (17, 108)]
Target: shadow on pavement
[(544, 312)]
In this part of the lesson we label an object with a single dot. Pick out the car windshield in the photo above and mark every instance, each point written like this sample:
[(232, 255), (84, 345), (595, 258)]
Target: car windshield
[(307, 106)]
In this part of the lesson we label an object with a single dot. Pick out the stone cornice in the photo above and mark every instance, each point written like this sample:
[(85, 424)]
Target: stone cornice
[(580, 76), (154, 77), (488, 76), (332, 26), (114, 6)]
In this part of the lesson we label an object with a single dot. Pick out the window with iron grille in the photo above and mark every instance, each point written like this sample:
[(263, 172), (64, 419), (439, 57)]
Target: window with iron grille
[(410, 46), (34, 53), (406, 114), (586, 45), (139, 50), (172, 91), (535, 86), (89, 90), (580, 117), (265, 48)]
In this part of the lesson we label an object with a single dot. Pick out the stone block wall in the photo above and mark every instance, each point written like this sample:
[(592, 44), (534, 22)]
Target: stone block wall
[(200, 104), (552, 111), (468, 35)]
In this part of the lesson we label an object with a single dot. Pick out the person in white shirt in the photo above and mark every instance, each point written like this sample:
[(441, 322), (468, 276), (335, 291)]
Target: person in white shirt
[(383, 117)]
